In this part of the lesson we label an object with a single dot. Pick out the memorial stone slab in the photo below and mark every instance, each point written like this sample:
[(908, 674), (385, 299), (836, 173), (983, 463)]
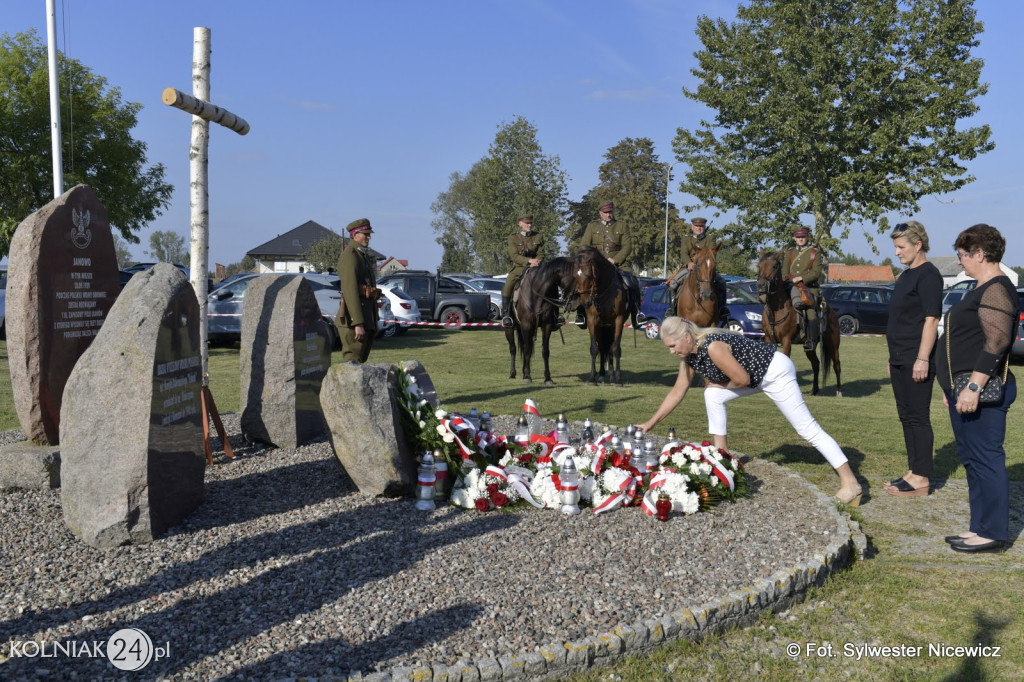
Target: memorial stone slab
[(62, 281), (132, 462), (285, 353), (362, 412)]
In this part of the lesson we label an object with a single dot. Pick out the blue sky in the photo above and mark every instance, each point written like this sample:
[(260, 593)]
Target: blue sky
[(365, 109)]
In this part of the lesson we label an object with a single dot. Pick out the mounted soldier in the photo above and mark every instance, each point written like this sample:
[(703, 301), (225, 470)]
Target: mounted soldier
[(802, 267), (698, 239), (614, 240), (525, 250)]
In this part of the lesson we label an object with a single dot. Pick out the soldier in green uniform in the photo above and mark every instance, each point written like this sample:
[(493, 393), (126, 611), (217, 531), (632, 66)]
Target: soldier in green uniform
[(357, 318), (614, 240), (525, 250), (802, 266), (698, 239)]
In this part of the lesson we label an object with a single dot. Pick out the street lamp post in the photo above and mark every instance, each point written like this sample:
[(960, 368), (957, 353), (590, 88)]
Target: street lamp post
[(668, 182)]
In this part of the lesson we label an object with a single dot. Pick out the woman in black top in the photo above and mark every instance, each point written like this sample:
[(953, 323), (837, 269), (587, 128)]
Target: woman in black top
[(978, 333), (913, 327), (735, 366)]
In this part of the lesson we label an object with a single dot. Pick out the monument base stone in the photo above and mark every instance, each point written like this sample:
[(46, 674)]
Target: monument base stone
[(361, 409), (27, 466)]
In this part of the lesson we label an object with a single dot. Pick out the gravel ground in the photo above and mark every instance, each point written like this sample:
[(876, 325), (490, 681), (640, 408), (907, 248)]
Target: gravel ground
[(287, 570)]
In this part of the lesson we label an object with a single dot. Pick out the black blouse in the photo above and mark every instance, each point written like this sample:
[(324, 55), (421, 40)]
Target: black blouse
[(753, 356), (980, 329)]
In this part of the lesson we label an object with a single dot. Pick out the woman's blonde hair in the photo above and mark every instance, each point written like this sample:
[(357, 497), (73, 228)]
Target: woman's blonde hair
[(675, 327), (913, 232)]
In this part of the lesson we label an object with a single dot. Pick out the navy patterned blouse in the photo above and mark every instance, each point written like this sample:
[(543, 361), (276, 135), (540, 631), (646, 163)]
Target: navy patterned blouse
[(753, 356)]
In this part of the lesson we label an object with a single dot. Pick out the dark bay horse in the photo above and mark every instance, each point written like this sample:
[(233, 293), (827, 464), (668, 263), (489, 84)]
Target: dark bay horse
[(696, 300), (536, 306), (781, 324), (606, 303)]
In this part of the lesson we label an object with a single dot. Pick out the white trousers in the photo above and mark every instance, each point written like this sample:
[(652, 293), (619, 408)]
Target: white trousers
[(781, 386)]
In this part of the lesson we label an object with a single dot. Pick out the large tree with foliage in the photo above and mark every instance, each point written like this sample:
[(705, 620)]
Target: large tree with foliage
[(634, 178), (323, 255), (97, 146), (841, 111), (479, 210), (168, 247)]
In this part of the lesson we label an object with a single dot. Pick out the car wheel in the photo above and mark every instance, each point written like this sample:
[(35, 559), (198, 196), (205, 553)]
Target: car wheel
[(847, 325), (495, 313), (652, 328), (455, 317), (735, 326), (390, 329)]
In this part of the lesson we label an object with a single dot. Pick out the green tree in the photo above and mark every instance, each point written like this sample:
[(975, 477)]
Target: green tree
[(839, 110), (97, 146), (124, 257), (323, 255), (634, 178), (515, 178), (168, 247)]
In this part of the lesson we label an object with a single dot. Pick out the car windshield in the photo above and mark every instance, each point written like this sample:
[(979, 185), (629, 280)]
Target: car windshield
[(738, 295)]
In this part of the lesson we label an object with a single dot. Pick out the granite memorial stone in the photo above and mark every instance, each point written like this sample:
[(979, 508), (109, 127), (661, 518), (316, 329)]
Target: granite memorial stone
[(285, 353), (62, 281), (362, 412), (132, 461)]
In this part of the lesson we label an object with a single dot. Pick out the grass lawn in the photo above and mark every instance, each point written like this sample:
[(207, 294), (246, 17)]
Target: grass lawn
[(891, 598)]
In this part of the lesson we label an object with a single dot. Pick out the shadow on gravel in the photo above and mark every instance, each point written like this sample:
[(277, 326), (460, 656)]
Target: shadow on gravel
[(334, 656), (343, 552)]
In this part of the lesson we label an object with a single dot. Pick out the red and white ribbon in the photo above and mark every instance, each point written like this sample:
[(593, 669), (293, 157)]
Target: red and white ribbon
[(530, 407)]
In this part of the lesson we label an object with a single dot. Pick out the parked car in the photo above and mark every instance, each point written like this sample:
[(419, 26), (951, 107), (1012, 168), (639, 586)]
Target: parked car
[(1017, 350), (860, 307), (493, 287), (403, 307), (748, 285), (441, 298), (224, 307), (744, 310)]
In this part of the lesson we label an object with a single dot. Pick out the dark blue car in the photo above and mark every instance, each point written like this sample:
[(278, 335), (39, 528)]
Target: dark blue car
[(744, 310)]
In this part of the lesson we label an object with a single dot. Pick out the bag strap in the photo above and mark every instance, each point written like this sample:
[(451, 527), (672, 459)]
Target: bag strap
[(949, 360)]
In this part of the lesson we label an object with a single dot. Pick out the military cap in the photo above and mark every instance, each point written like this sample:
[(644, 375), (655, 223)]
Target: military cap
[(698, 221), (801, 231), (360, 225), (525, 219), (607, 207)]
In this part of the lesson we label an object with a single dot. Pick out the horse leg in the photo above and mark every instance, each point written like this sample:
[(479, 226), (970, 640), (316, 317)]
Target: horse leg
[(833, 338), (812, 355), (528, 335), (594, 350), (510, 336), (616, 356), (546, 352)]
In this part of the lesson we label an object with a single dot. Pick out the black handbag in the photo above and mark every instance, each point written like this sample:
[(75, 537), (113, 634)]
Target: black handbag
[(991, 394)]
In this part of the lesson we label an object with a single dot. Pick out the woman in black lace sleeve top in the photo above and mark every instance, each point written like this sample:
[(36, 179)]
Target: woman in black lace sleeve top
[(979, 331)]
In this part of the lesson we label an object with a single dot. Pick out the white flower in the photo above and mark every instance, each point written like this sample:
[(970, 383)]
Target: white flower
[(441, 430), (447, 437), (613, 478), (688, 503), (440, 414), (587, 486), (423, 424)]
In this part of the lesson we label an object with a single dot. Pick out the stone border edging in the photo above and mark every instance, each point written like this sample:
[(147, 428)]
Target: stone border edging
[(739, 608)]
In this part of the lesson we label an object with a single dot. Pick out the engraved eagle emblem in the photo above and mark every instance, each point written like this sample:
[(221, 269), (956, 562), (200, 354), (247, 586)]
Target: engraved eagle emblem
[(81, 235)]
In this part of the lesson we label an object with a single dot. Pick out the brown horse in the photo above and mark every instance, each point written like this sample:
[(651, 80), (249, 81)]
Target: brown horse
[(781, 324), (697, 301), (536, 306), (606, 303)]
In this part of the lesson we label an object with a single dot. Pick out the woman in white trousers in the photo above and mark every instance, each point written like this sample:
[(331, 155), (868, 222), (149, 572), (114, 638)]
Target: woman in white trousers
[(735, 366)]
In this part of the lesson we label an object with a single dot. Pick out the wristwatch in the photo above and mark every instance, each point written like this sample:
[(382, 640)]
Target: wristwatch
[(973, 387)]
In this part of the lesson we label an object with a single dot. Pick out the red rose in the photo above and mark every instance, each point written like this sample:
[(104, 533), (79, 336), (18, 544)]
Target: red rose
[(492, 488), (706, 443), (482, 504), (499, 499), (616, 459)]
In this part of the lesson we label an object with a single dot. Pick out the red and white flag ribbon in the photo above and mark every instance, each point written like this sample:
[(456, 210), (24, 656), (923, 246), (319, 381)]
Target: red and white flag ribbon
[(530, 407)]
